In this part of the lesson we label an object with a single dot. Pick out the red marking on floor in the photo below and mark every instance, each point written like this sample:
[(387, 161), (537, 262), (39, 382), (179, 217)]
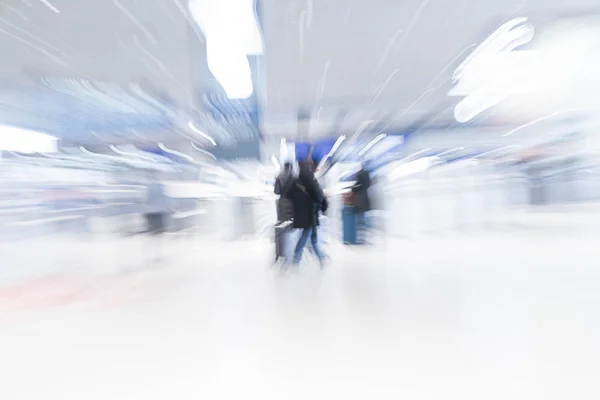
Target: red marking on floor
[(52, 292), (87, 292)]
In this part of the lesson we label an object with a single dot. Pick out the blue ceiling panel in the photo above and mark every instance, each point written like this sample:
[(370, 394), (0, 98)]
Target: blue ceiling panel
[(74, 119)]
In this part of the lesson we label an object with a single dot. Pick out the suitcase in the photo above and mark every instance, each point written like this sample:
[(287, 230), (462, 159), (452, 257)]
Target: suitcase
[(283, 234), (349, 225)]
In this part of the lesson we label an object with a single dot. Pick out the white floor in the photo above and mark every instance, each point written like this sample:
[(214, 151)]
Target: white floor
[(511, 313)]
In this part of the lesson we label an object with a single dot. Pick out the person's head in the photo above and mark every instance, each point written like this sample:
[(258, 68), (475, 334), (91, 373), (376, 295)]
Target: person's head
[(305, 165), (287, 167)]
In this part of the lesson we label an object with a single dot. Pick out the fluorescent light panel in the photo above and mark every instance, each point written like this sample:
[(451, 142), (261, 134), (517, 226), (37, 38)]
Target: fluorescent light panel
[(26, 141), (232, 34)]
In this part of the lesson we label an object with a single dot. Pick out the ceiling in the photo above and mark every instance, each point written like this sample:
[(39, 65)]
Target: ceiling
[(381, 60), (111, 41), (342, 62), (120, 42)]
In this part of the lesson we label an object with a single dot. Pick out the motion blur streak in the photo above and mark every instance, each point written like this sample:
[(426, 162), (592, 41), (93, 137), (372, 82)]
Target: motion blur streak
[(50, 6), (199, 132), (299, 199)]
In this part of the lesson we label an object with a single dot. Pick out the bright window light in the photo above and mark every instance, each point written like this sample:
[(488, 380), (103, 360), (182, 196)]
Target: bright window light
[(26, 141), (413, 167), (494, 71), (231, 69), (232, 34)]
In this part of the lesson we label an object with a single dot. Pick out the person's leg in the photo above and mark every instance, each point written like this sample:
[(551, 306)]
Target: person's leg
[(358, 224), (301, 245), (314, 240)]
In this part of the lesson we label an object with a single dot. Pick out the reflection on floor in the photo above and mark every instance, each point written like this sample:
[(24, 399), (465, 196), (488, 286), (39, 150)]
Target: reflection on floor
[(507, 314)]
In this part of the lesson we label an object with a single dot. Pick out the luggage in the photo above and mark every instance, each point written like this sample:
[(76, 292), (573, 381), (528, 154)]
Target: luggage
[(283, 240), (349, 225), (348, 199)]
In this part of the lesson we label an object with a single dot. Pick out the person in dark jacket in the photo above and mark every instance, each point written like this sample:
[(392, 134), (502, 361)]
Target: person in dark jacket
[(308, 200), (361, 201), (285, 207)]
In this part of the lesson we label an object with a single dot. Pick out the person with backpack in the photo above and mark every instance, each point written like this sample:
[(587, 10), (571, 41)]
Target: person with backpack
[(308, 201)]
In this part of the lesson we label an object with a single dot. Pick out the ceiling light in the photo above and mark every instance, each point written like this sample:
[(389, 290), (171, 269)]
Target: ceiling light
[(26, 141), (232, 34), (198, 149), (371, 144), (199, 132), (494, 72), (50, 6), (171, 151)]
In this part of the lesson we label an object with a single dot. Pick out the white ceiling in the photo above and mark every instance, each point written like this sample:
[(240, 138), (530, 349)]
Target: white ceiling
[(109, 41), (379, 60)]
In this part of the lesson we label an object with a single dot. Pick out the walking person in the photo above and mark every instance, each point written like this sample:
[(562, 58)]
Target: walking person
[(308, 200), (361, 202), (285, 207), (285, 212), (157, 211)]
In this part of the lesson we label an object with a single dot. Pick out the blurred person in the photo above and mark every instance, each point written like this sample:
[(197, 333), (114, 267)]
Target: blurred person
[(361, 201), (285, 207), (308, 201), (285, 211), (157, 210)]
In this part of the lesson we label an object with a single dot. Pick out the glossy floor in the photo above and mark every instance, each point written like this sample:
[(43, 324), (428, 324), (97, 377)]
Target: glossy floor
[(511, 313)]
